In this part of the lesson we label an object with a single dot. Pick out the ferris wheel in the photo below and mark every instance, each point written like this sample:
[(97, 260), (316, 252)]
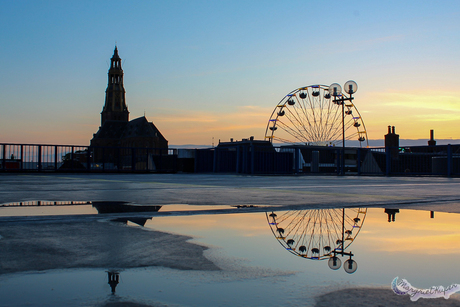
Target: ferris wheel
[(312, 115), (319, 234)]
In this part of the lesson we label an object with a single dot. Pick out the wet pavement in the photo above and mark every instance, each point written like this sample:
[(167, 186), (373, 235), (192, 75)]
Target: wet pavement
[(214, 189), (43, 248)]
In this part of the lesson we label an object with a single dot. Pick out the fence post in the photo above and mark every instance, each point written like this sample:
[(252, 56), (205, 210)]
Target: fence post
[(449, 160), (133, 159), (72, 165), (297, 160), (195, 166), (388, 161), (238, 159), (358, 161), (119, 161), (39, 158), (252, 158), (337, 162), (147, 169), (103, 158), (214, 161), (4, 157), (55, 158), (22, 157), (88, 158)]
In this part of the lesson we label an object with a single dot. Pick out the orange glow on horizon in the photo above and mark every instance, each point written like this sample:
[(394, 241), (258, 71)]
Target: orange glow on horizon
[(412, 232), (413, 114)]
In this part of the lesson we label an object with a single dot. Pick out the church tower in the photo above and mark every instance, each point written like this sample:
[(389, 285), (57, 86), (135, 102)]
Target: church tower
[(115, 104)]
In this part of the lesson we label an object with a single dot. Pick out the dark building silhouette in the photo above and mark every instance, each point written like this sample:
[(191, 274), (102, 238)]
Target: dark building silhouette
[(392, 142), (115, 108), (391, 214), (113, 280), (116, 131)]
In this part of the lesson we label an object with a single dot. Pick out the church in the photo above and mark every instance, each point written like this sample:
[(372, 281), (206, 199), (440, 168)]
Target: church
[(116, 130)]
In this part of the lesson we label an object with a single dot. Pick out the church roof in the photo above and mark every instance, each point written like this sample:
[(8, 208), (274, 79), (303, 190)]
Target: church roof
[(115, 53), (111, 129), (138, 127)]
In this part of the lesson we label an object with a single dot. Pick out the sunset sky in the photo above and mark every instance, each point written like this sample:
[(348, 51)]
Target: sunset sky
[(216, 69)]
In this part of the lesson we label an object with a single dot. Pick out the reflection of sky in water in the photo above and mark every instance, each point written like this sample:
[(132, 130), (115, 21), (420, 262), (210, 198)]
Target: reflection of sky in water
[(86, 209), (414, 247), (258, 270), (47, 210)]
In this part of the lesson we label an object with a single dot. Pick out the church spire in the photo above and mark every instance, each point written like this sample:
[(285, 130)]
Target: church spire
[(115, 105)]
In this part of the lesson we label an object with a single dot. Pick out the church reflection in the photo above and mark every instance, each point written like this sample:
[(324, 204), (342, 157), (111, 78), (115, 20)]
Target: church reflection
[(103, 207), (321, 234), (136, 220), (113, 280)]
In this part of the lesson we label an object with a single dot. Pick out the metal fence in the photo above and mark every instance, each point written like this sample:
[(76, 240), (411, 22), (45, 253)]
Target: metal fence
[(43, 158), (243, 160), (441, 160)]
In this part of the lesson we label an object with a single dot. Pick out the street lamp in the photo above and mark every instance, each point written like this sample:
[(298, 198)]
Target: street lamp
[(350, 266), (335, 90)]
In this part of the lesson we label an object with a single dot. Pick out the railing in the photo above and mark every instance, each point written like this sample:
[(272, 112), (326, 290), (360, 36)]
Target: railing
[(441, 160), (43, 158)]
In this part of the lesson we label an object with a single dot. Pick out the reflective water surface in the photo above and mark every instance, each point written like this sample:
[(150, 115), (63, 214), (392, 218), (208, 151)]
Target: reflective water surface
[(268, 258)]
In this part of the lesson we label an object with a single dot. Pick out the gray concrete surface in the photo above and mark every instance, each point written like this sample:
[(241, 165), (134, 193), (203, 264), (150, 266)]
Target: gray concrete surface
[(215, 189)]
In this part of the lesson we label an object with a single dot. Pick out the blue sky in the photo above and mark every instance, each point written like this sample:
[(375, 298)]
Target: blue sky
[(216, 69)]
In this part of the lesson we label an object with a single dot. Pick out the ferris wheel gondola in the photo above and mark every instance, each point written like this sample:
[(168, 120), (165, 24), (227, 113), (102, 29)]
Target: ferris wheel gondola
[(312, 115), (318, 234)]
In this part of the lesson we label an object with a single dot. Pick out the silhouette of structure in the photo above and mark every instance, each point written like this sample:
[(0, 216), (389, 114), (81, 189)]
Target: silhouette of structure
[(431, 141), (116, 130), (114, 280), (331, 233), (392, 142), (391, 214)]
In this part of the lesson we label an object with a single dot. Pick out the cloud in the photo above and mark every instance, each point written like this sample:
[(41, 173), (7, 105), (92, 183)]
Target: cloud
[(191, 126), (430, 100)]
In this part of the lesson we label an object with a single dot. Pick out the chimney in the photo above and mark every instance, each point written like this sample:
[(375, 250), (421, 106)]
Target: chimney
[(392, 142), (431, 142)]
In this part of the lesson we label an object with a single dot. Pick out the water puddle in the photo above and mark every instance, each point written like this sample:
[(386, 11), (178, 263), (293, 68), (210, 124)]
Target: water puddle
[(273, 258), (53, 208)]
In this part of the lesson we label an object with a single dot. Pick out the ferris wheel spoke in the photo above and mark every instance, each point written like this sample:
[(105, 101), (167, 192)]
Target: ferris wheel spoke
[(315, 234), (330, 231), (309, 115), (292, 225), (294, 133), (329, 112), (295, 122), (335, 124), (300, 118), (312, 105), (305, 114)]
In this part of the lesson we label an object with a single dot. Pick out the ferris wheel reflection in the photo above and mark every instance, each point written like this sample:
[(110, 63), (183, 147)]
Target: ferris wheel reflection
[(320, 234)]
